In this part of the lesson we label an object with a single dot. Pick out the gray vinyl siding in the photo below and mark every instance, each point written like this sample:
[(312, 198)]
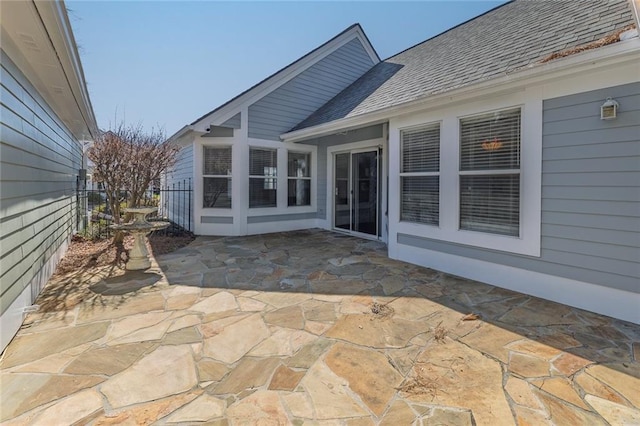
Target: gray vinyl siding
[(39, 162), (183, 169), (288, 105), (233, 122), (590, 194), (181, 177)]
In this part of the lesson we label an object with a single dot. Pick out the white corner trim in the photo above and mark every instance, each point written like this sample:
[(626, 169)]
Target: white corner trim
[(602, 300)]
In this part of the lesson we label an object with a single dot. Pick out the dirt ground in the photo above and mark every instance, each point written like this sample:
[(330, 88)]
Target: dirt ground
[(86, 259), (87, 253)]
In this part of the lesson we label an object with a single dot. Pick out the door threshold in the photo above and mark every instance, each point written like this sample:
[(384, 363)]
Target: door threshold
[(358, 235)]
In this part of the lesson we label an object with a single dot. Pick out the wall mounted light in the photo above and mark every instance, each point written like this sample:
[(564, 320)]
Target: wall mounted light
[(609, 109)]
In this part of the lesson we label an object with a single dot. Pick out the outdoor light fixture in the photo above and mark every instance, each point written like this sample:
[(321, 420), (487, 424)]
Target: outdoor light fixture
[(609, 109)]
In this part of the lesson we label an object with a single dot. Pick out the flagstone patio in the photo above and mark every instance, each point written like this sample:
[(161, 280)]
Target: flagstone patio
[(313, 327)]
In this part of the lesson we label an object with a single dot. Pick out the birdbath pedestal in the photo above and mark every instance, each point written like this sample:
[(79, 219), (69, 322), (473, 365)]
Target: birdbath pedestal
[(139, 227)]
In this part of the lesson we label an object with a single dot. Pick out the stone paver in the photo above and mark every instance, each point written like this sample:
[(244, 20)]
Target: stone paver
[(313, 327)]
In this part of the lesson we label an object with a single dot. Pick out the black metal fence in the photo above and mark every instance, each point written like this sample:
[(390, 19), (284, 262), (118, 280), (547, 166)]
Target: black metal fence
[(173, 202)]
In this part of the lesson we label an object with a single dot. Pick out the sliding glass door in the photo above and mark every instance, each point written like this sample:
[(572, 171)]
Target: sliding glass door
[(356, 183)]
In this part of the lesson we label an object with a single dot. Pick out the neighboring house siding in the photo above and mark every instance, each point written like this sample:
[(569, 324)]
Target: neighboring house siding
[(590, 194), (39, 163), (295, 100), (176, 203)]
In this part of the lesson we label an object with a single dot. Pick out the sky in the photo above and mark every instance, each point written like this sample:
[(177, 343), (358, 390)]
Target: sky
[(163, 64)]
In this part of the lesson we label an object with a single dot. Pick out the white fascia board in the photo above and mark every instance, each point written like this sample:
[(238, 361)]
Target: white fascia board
[(281, 77), (58, 27), (608, 56), (367, 46), (178, 137)]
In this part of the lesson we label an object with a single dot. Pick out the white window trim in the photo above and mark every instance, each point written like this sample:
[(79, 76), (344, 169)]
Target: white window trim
[(282, 178), (491, 172), (263, 177), (403, 174), (528, 242), (200, 195)]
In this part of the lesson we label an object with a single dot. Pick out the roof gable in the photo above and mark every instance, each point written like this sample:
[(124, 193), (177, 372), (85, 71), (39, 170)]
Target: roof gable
[(286, 74), (514, 36), (299, 97)]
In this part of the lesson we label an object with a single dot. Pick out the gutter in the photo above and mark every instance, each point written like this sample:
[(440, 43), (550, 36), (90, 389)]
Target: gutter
[(623, 51)]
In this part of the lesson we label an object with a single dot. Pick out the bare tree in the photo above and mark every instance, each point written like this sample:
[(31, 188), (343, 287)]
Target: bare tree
[(127, 160)]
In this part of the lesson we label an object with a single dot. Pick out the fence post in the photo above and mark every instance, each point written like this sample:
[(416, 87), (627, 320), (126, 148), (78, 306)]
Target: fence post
[(190, 189), (173, 196)]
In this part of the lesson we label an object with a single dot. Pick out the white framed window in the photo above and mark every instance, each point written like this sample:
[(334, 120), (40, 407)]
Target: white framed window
[(298, 179), (263, 182), (490, 172), (490, 196), (216, 171), (420, 175)]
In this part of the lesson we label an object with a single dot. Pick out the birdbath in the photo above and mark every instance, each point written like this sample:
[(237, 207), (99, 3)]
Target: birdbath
[(139, 227)]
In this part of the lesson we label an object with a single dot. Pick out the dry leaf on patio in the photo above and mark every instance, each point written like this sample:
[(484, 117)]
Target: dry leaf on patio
[(380, 310), (471, 317), (439, 333)]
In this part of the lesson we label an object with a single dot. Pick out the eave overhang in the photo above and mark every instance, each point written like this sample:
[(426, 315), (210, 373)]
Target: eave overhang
[(608, 56), (39, 40)]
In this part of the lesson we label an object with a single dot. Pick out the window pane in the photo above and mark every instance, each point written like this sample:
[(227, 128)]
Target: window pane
[(262, 162), (490, 204), (420, 199), (262, 192), (299, 192), (420, 149), (490, 141), (217, 161), (299, 164), (217, 193)]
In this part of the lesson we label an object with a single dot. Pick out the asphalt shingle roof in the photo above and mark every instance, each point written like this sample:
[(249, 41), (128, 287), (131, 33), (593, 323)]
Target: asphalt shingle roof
[(505, 39)]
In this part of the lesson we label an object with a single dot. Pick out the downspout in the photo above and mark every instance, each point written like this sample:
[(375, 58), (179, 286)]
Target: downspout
[(635, 7)]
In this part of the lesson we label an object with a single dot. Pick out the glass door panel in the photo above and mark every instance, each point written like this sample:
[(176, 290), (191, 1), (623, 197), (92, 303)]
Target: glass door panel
[(342, 200), (365, 194), (356, 191)]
